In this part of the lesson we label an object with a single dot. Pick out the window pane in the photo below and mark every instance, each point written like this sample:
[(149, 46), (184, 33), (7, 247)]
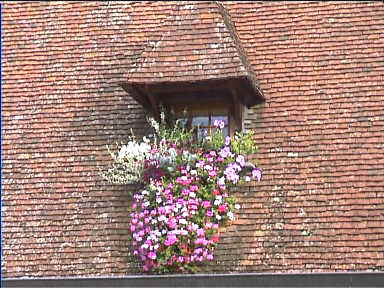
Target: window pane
[(183, 122), (225, 131), (200, 121)]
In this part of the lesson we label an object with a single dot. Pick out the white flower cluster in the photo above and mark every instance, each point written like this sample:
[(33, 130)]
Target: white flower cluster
[(129, 166), (135, 151), (165, 156)]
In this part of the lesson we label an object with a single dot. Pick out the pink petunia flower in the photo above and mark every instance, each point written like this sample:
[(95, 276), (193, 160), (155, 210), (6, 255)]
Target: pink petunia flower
[(152, 255), (172, 223), (212, 173), (206, 204), (194, 188), (222, 208), (200, 232), (171, 239), (209, 213)]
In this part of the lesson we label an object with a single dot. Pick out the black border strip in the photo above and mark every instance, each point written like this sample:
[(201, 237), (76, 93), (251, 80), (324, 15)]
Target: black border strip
[(336, 279)]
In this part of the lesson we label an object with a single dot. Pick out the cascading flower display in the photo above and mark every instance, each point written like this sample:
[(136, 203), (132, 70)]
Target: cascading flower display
[(185, 195)]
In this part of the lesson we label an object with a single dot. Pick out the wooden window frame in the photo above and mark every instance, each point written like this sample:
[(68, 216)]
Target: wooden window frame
[(234, 111)]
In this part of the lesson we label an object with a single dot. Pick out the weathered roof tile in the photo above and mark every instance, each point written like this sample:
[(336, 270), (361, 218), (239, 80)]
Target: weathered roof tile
[(320, 133)]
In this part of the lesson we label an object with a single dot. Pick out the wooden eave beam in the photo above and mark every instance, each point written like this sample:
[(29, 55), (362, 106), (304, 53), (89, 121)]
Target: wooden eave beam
[(237, 109), (154, 102), (136, 94), (182, 87)]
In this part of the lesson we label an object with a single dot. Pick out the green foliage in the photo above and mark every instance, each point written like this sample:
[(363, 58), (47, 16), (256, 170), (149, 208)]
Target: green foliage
[(243, 143)]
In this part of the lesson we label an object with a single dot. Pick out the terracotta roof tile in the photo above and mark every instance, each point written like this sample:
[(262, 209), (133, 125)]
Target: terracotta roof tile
[(320, 133), (195, 45), (322, 78)]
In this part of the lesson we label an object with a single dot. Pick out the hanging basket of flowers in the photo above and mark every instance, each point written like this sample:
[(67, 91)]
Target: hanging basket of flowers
[(184, 195)]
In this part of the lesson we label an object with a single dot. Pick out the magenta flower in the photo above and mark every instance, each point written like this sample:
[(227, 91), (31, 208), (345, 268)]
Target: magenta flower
[(172, 223), (176, 216), (171, 239), (161, 210), (201, 241), (194, 188), (200, 232), (185, 192), (222, 208), (200, 163), (152, 255), (206, 204), (134, 221), (180, 259), (209, 213)]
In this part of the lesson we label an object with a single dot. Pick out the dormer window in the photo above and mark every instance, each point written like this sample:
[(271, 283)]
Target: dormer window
[(209, 77), (199, 103)]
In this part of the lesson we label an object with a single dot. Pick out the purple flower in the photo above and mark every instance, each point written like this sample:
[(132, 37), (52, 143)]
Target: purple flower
[(225, 152), (227, 140), (231, 174), (256, 173), (219, 124), (240, 159)]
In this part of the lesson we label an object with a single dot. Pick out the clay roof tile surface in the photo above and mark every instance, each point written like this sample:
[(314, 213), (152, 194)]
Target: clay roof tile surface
[(192, 44), (320, 133)]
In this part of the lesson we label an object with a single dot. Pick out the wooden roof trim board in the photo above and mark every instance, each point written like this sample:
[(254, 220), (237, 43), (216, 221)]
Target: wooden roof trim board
[(240, 50)]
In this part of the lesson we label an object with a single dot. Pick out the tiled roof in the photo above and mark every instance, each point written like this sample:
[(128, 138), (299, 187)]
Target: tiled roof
[(193, 43), (321, 132)]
